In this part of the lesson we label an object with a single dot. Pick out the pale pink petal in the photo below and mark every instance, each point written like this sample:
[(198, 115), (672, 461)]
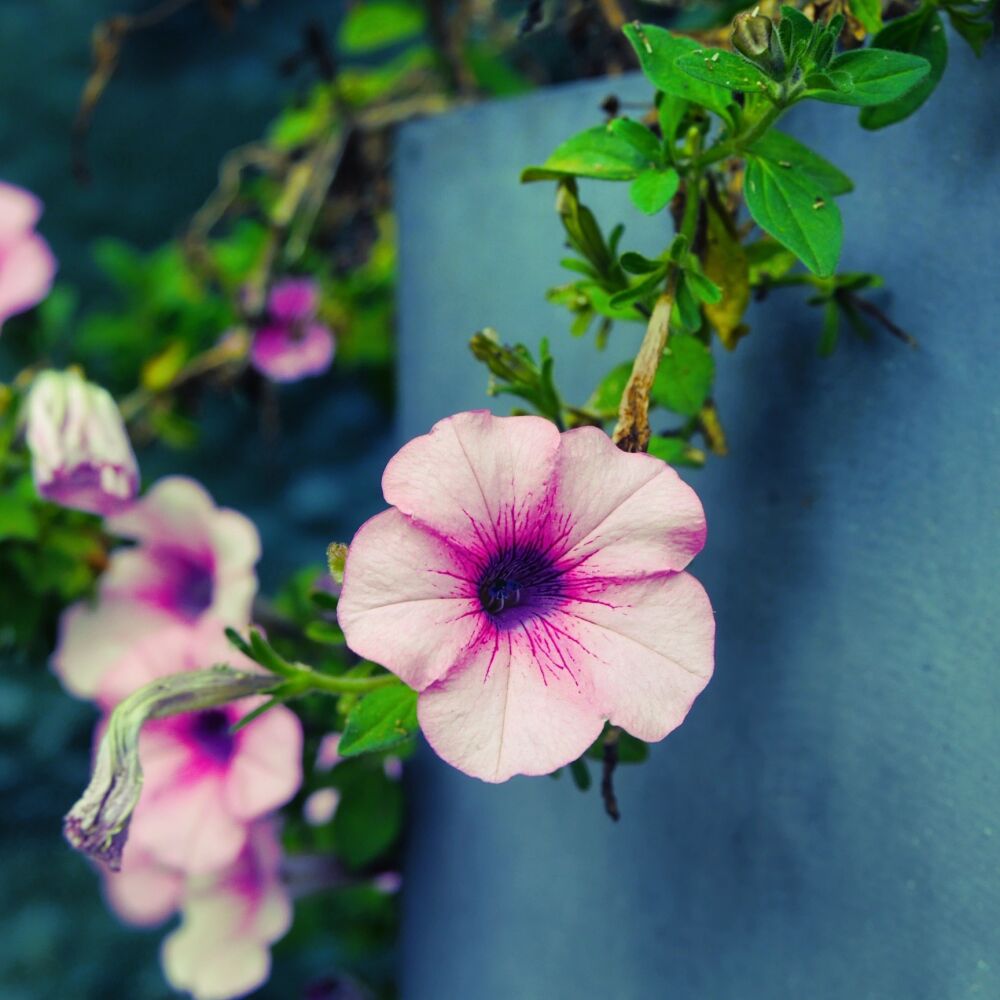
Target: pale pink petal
[(293, 300), (143, 893), (27, 268), (196, 962), (236, 547), (175, 509), (475, 477), (519, 706), (187, 825), (412, 607), (266, 768), (629, 514), (93, 639), (649, 646), (20, 210)]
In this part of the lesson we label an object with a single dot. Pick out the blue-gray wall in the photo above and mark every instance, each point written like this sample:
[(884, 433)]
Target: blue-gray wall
[(826, 824)]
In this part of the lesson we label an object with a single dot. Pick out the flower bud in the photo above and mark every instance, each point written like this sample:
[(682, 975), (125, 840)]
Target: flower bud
[(98, 824), (751, 37), (81, 456)]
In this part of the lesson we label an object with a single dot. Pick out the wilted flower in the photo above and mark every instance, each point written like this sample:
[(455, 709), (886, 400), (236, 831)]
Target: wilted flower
[(291, 344), (80, 452), (530, 586), (228, 923), (192, 559), (26, 262), (202, 783)]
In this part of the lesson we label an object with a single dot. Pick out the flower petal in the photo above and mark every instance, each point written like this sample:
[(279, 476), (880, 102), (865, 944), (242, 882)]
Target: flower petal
[(408, 600), (143, 893), (287, 355), (630, 514), (516, 706), (266, 768), (19, 211), (650, 649), (175, 509), (27, 268), (475, 478), (93, 639)]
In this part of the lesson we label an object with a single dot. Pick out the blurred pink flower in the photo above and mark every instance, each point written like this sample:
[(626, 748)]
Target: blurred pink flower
[(27, 266), (291, 344), (228, 923), (80, 452), (328, 752), (321, 805), (143, 893), (530, 586), (192, 559), (202, 783)]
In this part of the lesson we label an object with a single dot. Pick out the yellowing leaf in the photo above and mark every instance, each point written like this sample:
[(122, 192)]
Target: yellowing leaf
[(726, 264)]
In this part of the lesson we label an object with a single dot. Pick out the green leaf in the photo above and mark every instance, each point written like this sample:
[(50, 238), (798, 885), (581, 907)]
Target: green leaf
[(652, 190), (635, 263), (581, 774), (671, 111), (325, 633), (724, 69), (684, 379), (879, 76), (973, 20), (921, 33), (675, 451), (726, 265), (639, 291), (598, 152), (767, 258), (795, 31), (17, 518), (639, 138), (606, 397), (377, 24), (789, 154), (702, 287), (797, 212), (869, 13), (831, 329), (658, 51), (685, 316), (370, 815), (380, 720)]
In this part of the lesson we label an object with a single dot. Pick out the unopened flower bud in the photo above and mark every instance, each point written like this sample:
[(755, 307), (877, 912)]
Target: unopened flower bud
[(98, 824), (751, 37), (80, 452)]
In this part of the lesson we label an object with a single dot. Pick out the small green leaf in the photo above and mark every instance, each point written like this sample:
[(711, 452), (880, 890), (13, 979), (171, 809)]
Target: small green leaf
[(973, 20), (869, 13), (652, 190), (702, 287), (325, 633), (635, 293), (658, 51), (380, 720), (684, 379), (795, 31), (581, 774), (724, 69), (598, 152), (789, 154), (726, 265), (685, 316), (921, 33), (606, 398), (675, 451), (377, 24), (635, 263), (639, 138), (797, 212), (17, 519), (671, 111), (879, 76), (768, 259)]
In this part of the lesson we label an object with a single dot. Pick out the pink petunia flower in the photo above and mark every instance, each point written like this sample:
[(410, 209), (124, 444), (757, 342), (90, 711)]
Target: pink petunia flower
[(229, 921), (80, 452), (192, 559), (144, 892), (530, 586), (203, 783), (27, 266), (291, 344)]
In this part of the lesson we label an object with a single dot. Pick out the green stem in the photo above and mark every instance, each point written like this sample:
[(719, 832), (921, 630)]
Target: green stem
[(738, 143), (330, 684)]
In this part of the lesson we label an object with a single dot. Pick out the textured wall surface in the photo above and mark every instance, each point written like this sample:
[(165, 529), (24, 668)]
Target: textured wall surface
[(827, 822)]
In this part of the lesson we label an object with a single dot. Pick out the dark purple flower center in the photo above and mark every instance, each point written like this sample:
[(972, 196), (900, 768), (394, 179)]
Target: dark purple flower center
[(211, 731), (521, 581), (192, 582)]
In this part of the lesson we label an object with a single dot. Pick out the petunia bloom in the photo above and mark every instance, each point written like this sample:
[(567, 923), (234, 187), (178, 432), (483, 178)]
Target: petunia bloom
[(229, 921), (80, 452), (203, 784), (292, 344), (27, 266), (192, 559), (530, 586)]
